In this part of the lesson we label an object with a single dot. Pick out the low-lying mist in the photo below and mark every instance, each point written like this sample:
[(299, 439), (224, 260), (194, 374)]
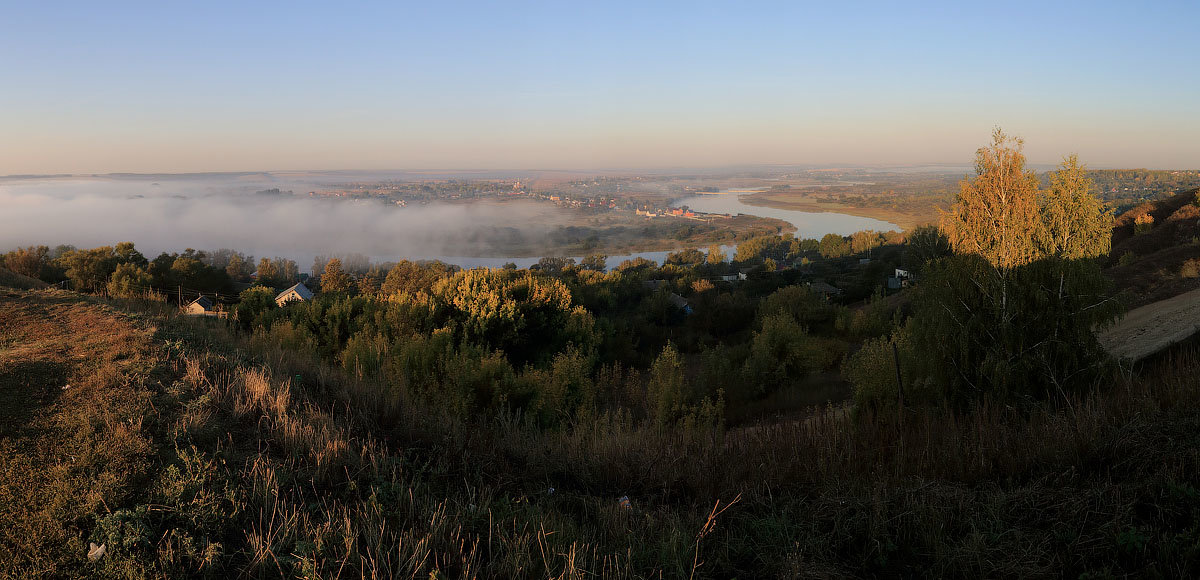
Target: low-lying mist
[(171, 215)]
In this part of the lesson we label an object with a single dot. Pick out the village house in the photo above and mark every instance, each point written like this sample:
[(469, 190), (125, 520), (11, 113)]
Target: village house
[(900, 280), (825, 290), (201, 306), (299, 292), (653, 284), (680, 302)]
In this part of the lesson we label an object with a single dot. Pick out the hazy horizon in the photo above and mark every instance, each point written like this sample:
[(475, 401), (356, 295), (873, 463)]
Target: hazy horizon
[(226, 87)]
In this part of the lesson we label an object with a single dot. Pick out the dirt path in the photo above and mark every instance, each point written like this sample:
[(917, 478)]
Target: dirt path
[(74, 393), (1153, 327)]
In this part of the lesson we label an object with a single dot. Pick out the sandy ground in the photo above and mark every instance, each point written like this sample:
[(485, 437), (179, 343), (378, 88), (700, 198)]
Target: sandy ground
[(803, 202), (1148, 329)]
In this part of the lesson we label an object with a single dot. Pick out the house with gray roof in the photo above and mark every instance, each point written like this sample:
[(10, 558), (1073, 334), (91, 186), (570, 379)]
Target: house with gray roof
[(299, 292)]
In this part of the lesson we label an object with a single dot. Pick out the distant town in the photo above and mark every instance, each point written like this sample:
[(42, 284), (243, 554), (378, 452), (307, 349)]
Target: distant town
[(602, 199)]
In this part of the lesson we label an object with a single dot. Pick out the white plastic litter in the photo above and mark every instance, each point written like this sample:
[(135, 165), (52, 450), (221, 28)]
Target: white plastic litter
[(95, 552)]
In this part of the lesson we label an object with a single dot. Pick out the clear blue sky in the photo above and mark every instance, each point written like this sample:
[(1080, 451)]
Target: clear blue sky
[(171, 86)]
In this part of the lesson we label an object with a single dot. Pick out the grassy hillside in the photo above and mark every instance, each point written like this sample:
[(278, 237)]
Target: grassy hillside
[(1160, 259), (14, 280), (189, 451)]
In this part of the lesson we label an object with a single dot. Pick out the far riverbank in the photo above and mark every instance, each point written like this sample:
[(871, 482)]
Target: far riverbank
[(793, 201)]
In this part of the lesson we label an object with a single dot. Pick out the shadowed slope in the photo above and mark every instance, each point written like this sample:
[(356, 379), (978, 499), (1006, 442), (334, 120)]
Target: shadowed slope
[(21, 282)]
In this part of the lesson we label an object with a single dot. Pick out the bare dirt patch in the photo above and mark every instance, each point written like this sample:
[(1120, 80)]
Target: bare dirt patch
[(1148, 329)]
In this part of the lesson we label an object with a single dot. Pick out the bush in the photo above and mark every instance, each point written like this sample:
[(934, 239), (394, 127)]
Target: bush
[(1190, 269), (1143, 224), (872, 372), (252, 303), (665, 391), (128, 281)]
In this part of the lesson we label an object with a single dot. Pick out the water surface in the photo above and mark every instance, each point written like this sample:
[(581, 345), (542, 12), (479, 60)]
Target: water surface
[(808, 224)]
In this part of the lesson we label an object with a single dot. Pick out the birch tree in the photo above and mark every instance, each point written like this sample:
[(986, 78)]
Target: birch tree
[(1074, 224), (995, 212)]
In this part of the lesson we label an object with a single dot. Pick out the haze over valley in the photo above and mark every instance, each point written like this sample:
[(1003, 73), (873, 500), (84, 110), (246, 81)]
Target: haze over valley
[(476, 215)]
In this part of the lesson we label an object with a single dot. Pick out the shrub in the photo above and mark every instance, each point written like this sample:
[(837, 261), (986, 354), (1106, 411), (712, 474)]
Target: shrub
[(253, 302), (1143, 224), (1190, 269), (665, 390), (128, 281)]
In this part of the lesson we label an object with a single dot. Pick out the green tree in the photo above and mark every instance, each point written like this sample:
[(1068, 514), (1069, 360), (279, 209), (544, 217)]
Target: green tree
[(129, 280), (764, 247), (636, 265), (187, 271), (925, 244), (715, 254), (800, 303), (288, 271), (864, 241), (527, 316), (1074, 224), (834, 246), (553, 265), (782, 351), (334, 279), (252, 302), (33, 261), (370, 283), (594, 262), (89, 270), (1030, 334), (688, 257), (665, 391), (125, 253), (410, 277), (239, 267), (268, 274)]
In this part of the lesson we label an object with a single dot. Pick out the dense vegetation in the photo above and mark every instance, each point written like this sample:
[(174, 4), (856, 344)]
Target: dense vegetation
[(570, 420)]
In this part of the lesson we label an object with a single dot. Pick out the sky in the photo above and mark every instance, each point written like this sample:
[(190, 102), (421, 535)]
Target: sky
[(97, 87)]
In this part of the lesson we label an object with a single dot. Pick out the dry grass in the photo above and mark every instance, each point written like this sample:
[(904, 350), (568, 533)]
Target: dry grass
[(18, 281), (75, 408)]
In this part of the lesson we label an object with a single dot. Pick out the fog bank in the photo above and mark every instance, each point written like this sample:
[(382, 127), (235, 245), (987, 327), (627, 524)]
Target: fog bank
[(225, 212)]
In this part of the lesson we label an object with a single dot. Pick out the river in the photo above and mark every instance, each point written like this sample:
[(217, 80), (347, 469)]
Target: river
[(808, 224)]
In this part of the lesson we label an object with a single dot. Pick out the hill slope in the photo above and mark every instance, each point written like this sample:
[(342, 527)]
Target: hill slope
[(189, 451), (76, 425), (14, 280), (1151, 265)]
